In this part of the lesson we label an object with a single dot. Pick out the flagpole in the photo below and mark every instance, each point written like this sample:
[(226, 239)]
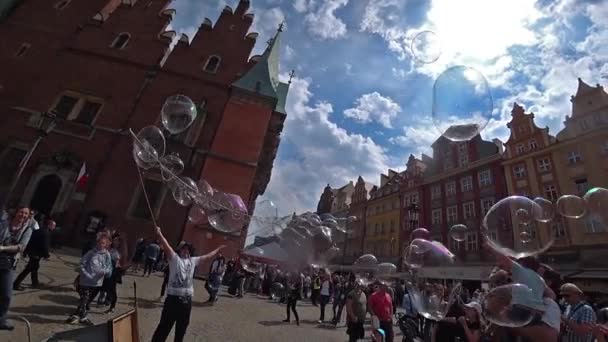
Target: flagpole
[(26, 159)]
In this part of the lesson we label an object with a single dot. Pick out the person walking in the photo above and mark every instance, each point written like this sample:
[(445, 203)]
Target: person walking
[(214, 278), (381, 306), (117, 251), (14, 237), (37, 248), (151, 254), (178, 304), (580, 320), (356, 310), (324, 294), (95, 265), (294, 292)]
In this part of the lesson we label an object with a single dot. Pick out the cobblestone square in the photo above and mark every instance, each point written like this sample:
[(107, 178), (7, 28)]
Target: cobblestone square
[(231, 319)]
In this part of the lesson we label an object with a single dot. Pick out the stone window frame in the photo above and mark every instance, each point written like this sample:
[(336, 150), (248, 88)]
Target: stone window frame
[(466, 183), (451, 218), (124, 44), (544, 164), (485, 181), (59, 5), (436, 219), (450, 185), (138, 193), (76, 110), (574, 157), (208, 61), (471, 205), (471, 242), (519, 171), (532, 144)]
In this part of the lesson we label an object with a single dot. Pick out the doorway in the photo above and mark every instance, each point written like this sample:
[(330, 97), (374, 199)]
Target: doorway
[(46, 193)]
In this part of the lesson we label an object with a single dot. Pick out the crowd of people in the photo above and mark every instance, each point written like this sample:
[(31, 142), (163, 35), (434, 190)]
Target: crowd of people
[(559, 311)]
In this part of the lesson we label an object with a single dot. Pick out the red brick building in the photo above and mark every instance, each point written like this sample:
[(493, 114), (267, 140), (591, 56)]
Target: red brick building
[(105, 66), (462, 182)]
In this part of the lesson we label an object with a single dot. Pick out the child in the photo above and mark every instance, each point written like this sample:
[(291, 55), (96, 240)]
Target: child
[(94, 266)]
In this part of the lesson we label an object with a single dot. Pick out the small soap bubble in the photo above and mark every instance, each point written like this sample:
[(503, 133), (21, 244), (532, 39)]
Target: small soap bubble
[(426, 47), (178, 113), (571, 206), (458, 232)]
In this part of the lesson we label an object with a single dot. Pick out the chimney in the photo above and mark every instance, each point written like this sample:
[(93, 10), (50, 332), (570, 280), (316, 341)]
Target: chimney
[(499, 144)]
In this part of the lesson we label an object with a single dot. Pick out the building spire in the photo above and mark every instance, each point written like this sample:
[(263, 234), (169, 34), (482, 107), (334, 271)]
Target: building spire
[(263, 77)]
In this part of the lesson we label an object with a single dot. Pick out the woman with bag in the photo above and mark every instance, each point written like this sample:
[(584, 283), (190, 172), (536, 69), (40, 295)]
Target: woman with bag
[(14, 237), (294, 292)]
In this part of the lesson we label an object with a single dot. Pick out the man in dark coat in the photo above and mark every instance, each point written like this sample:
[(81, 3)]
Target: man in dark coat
[(37, 248)]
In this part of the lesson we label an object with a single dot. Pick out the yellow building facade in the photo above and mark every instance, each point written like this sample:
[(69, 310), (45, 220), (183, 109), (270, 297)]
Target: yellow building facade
[(382, 219), (581, 157), (576, 160)]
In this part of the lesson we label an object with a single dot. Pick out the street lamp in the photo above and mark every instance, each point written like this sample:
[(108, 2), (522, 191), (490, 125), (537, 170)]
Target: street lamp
[(46, 125)]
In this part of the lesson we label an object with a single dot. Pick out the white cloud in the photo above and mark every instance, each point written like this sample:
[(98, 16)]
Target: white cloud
[(323, 23), (374, 107), (324, 153), (418, 136), (302, 6), (266, 23), (289, 53)]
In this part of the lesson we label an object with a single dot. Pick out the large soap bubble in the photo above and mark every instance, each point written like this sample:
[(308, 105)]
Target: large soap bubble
[(148, 147), (178, 113), (184, 190), (458, 232), (462, 103), (514, 227), (426, 47), (547, 209), (228, 213), (506, 305)]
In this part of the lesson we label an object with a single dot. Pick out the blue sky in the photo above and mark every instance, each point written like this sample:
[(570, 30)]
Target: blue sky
[(360, 103)]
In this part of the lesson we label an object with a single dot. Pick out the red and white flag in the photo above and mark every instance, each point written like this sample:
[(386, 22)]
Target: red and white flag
[(83, 177)]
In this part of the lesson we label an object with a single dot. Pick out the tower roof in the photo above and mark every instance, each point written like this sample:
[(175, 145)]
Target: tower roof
[(263, 77)]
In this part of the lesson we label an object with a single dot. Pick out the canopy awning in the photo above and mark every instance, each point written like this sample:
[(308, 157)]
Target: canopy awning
[(268, 253)]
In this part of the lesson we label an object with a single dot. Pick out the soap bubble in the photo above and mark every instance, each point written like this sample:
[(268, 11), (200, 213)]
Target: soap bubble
[(596, 200), (420, 233), (227, 213), (366, 261), (431, 298), (547, 209), (426, 47), (386, 268), (266, 213), (506, 305), (197, 215), (571, 206), (205, 193), (462, 103), (504, 223), (171, 166), (178, 113), (413, 257), (458, 232), (148, 147), (184, 190), (525, 236)]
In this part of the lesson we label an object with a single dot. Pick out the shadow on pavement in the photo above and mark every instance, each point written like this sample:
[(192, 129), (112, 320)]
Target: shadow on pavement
[(35, 319), (148, 304), (272, 323), (52, 310), (60, 299)]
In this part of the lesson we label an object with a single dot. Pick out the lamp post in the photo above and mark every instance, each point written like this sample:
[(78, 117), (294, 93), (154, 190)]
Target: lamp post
[(47, 124)]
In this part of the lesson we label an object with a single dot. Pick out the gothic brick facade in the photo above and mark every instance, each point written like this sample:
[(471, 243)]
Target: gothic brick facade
[(106, 66)]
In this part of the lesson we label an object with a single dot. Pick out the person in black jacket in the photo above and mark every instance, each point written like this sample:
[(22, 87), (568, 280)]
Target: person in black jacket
[(37, 248)]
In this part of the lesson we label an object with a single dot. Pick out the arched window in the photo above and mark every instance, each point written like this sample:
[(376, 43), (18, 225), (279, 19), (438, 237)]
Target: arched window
[(121, 41), (212, 64)]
